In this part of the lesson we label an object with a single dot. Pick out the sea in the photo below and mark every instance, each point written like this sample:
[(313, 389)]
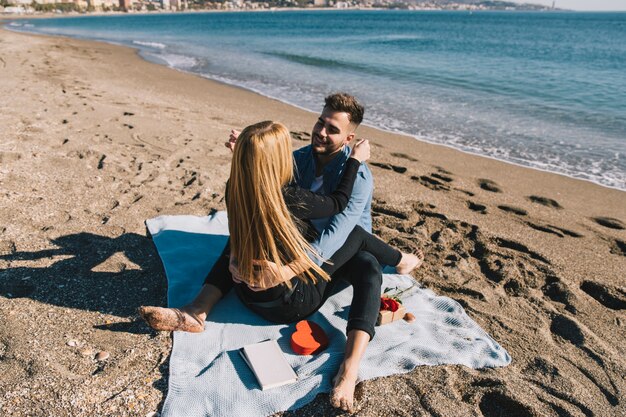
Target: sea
[(545, 90)]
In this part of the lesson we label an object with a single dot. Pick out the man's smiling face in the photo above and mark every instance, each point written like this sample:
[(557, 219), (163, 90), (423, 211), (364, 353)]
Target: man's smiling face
[(332, 131)]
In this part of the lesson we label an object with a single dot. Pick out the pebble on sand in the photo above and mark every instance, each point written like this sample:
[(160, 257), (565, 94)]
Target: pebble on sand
[(102, 356), (72, 343)]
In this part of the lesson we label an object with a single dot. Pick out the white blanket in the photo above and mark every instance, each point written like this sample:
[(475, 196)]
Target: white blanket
[(209, 378)]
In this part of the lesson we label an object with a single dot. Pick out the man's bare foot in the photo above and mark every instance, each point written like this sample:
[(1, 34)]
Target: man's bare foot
[(409, 262), (342, 395), (172, 319)]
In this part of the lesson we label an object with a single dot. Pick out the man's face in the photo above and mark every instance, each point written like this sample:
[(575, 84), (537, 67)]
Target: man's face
[(332, 131)]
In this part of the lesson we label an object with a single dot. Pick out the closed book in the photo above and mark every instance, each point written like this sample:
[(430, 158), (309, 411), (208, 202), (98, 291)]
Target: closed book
[(268, 363)]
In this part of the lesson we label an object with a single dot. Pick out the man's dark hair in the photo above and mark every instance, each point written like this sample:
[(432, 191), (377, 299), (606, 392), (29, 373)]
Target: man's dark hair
[(346, 103)]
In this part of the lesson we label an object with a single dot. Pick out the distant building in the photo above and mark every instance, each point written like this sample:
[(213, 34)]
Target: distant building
[(14, 10), (165, 4), (126, 5), (103, 4), (319, 3), (178, 4)]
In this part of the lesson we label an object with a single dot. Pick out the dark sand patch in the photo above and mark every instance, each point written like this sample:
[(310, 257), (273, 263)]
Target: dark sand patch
[(403, 156), (489, 185), (302, 136), (514, 210), (430, 182), (481, 208), (545, 201), (441, 177), (610, 222), (607, 295), (390, 167), (618, 247)]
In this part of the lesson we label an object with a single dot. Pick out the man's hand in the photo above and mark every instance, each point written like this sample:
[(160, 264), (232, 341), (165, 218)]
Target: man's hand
[(361, 150), (232, 140)]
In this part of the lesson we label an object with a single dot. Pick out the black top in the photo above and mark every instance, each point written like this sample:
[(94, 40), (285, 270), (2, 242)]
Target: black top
[(303, 205)]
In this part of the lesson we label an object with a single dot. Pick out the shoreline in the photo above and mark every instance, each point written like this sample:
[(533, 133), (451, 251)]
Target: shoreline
[(139, 51), (97, 140), (7, 16)]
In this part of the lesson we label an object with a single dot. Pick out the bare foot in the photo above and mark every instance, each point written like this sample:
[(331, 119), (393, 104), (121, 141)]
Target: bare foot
[(172, 319), (410, 262), (342, 395)]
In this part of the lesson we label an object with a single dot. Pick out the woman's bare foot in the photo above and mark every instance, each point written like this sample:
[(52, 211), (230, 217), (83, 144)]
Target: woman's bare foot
[(409, 262), (172, 319), (342, 395)]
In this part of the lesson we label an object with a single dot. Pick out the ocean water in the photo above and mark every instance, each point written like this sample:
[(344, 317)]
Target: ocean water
[(544, 90)]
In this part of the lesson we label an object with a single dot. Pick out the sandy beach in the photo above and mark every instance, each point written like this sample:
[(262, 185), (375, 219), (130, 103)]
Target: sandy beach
[(94, 141)]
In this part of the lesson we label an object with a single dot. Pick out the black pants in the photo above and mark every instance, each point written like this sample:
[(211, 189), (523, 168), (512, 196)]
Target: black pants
[(358, 262)]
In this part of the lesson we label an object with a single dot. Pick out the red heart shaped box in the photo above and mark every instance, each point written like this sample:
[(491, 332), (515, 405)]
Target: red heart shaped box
[(308, 339)]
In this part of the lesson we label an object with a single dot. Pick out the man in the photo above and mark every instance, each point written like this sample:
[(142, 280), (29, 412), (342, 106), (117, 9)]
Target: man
[(319, 167)]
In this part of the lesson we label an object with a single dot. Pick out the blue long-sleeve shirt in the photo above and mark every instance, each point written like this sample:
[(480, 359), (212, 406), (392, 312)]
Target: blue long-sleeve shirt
[(358, 212)]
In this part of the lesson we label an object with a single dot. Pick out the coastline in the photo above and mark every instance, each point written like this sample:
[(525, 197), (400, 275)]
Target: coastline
[(92, 148), (144, 54)]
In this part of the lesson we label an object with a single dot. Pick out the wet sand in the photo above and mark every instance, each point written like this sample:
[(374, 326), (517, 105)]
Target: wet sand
[(94, 140)]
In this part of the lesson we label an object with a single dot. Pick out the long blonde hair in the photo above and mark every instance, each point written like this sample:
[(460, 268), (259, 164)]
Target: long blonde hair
[(261, 227)]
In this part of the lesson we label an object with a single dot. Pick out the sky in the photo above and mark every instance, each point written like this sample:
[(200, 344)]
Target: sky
[(581, 4)]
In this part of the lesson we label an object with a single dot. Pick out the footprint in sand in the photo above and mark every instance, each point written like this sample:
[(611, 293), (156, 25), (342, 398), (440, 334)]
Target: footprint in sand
[(443, 170), (568, 329), (607, 295), (303, 136), (610, 222), (555, 230), (545, 201), (516, 246), (489, 185), (394, 168), (430, 182), (378, 209), (403, 156), (441, 177), (558, 291), (514, 210), (497, 404), (618, 247), (480, 208)]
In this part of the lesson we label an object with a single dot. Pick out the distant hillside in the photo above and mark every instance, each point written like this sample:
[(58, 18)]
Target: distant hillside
[(487, 4)]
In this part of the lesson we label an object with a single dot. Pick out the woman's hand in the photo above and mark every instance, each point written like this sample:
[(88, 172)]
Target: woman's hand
[(232, 140), (361, 150)]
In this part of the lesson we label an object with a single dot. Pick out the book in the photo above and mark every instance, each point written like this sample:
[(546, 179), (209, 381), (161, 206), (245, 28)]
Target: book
[(268, 363)]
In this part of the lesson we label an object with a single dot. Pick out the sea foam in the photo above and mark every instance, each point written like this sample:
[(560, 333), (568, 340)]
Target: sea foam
[(157, 45)]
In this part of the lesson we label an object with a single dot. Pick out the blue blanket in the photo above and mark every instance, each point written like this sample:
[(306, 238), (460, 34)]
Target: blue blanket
[(208, 377)]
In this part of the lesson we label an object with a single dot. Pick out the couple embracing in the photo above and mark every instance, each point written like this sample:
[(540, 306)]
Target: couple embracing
[(299, 223)]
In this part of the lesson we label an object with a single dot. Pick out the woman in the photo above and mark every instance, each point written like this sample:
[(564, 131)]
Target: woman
[(269, 259)]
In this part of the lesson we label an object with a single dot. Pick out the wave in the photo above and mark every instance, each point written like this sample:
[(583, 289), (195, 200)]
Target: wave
[(157, 45), (324, 62), (179, 61)]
